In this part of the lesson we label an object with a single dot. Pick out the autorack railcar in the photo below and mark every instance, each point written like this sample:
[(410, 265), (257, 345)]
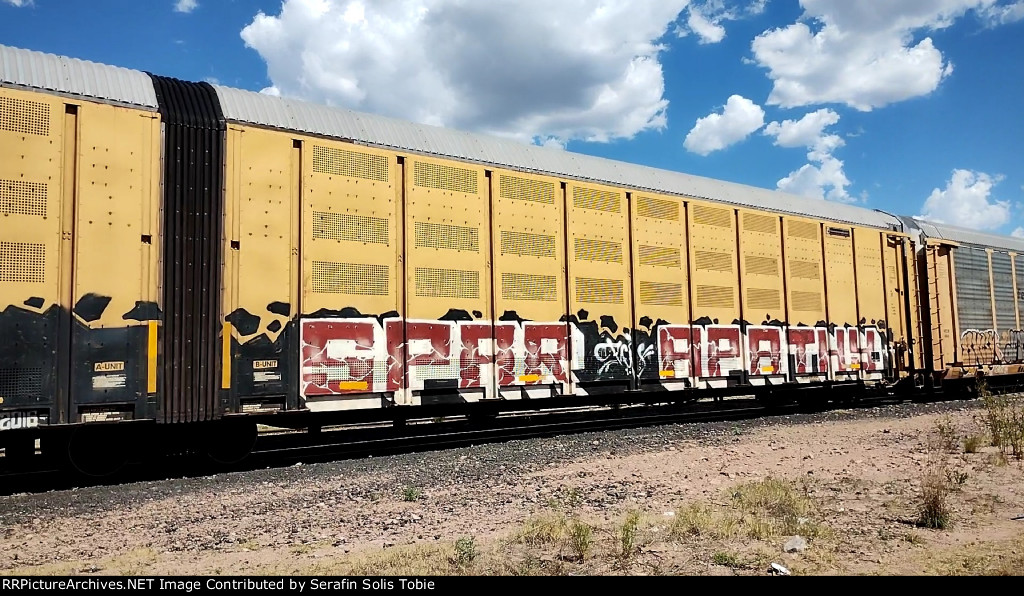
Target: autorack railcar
[(205, 257)]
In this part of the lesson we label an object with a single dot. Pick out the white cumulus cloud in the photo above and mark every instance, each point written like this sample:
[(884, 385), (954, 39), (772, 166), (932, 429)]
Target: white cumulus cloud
[(1017, 232), (738, 120), (529, 69), (709, 31), (823, 177), (185, 5), (864, 54), (1003, 14), (19, 3), (705, 17), (805, 132), (966, 202)]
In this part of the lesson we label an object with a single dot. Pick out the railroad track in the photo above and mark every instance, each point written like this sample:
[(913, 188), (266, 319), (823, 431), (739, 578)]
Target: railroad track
[(289, 448)]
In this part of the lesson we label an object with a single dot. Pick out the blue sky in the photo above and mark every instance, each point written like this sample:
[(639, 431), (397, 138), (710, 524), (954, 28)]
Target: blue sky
[(910, 106)]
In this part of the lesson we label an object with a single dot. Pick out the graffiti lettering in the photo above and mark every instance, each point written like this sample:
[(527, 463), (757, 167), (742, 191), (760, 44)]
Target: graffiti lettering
[(362, 356), (1013, 346), (765, 347), (674, 351), (979, 346)]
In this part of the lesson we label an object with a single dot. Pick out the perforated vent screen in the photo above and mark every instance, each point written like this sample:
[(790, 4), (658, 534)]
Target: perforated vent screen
[(350, 278), (715, 297), (22, 198), (21, 382), (763, 299), (527, 189), (433, 235), (432, 175), (328, 160), (447, 283), (523, 286), (657, 208), (764, 224), (660, 256), (22, 262), (758, 265), (713, 261), (525, 244), (597, 200), (808, 301), (599, 291), (597, 250), (804, 269), (803, 229), (352, 228), (24, 117), (661, 294), (712, 216)]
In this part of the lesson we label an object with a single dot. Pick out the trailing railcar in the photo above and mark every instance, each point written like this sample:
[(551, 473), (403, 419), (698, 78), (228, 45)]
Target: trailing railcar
[(973, 284), (205, 257)]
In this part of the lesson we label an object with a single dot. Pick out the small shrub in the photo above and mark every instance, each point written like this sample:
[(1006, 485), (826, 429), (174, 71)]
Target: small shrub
[(465, 551), (934, 512), (973, 443), (778, 498), (725, 559), (411, 493), (628, 534), (956, 477), (948, 440), (691, 520), (581, 539), (546, 529), (1004, 416)]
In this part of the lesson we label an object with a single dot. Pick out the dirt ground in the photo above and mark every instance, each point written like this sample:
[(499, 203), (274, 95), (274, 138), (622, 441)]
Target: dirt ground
[(852, 490)]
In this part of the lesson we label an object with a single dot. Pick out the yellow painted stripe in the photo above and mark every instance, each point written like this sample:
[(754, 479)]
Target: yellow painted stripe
[(151, 363), (667, 373), (225, 379), (767, 369), (529, 378), (854, 365), (353, 385)]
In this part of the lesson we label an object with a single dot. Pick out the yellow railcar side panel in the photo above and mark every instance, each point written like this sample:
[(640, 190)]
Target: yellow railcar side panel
[(31, 142), (943, 316), (261, 216), (870, 286), (111, 258), (447, 238), (600, 288), (714, 271), (350, 233), (804, 271), (598, 252), (529, 246), (840, 291), (761, 267), (659, 259), (528, 251), (232, 160), (894, 290), (916, 323)]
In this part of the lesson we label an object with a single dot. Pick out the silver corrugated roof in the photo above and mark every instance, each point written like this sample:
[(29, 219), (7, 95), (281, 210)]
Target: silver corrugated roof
[(965, 236), (276, 112), (76, 77)]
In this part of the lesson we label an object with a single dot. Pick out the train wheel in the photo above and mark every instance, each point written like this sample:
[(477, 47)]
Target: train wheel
[(99, 450), (228, 442)]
